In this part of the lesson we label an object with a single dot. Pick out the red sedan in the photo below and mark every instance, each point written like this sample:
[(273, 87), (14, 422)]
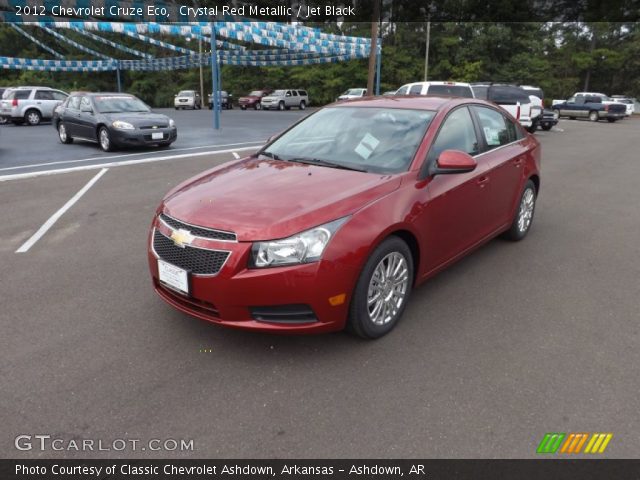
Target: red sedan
[(335, 221)]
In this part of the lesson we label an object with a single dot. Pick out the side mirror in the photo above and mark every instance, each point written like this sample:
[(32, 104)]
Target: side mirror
[(454, 161)]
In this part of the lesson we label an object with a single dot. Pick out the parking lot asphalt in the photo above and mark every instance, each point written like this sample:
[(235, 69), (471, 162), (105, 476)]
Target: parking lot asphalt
[(515, 340), (26, 149)]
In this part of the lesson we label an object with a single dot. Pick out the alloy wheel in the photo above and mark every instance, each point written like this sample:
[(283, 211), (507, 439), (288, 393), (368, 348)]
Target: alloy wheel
[(387, 288), (33, 118), (104, 139), (62, 131), (525, 213)]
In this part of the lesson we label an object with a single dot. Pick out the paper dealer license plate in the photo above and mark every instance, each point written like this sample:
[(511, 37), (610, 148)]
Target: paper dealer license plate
[(173, 276)]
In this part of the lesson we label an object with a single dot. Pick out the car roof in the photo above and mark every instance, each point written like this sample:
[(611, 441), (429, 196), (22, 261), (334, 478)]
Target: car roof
[(416, 102)]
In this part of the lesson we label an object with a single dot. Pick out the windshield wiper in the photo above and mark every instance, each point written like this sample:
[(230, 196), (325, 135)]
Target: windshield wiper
[(325, 163), (270, 155)]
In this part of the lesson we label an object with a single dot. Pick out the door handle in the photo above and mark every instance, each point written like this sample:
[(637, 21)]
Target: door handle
[(483, 181)]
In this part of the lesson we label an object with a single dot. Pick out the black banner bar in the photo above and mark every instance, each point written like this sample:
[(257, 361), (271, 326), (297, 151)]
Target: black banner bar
[(543, 469)]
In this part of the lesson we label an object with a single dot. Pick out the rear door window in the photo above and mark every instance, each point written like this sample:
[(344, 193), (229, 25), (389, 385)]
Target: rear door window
[(44, 95), (74, 103)]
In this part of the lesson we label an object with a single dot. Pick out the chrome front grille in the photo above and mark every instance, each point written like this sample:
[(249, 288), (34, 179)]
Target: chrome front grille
[(198, 231), (198, 261)]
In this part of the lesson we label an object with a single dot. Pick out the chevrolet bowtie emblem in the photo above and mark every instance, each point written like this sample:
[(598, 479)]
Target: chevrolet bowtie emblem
[(155, 127), (182, 237)]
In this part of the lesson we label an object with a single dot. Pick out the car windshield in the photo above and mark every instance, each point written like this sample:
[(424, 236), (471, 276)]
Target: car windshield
[(185, 93), (256, 93), (113, 104), (372, 139), (279, 93), (353, 91)]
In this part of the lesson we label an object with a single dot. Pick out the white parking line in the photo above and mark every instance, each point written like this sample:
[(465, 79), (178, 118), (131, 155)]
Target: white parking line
[(19, 176), (235, 154), (54, 218), (92, 159)]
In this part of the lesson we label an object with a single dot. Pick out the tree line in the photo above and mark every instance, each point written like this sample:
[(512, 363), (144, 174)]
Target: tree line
[(560, 57)]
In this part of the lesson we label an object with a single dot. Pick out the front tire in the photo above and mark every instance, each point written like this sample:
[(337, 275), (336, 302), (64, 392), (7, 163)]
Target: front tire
[(258, 106), (104, 139), (611, 120), (546, 127), (63, 135), (33, 117), (382, 291), (524, 215)]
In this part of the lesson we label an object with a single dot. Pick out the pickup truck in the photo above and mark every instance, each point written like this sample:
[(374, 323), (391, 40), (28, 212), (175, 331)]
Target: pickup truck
[(592, 107)]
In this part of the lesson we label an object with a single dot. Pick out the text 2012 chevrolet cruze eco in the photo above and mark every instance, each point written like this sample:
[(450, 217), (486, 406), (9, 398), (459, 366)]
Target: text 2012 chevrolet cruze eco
[(335, 221)]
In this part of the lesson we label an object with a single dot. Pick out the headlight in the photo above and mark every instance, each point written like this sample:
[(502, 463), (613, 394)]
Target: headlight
[(123, 125), (172, 123), (304, 247)]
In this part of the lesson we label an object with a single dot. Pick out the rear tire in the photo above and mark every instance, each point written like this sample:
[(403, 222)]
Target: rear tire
[(32, 117), (3, 120), (258, 106), (556, 113), (382, 290), (546, 127), (303, 105), (593, 116), (611, 120), (242, 107), (281, 106), (524, 214), (63, 135)]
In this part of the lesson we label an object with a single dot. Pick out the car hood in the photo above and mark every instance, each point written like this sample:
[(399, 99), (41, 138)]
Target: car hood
[(269, 199), (140, 119), (272, 97), (248, 98)]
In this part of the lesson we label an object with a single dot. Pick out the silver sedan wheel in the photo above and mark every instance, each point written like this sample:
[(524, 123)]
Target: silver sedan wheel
[(62, 131), (387, 288), (525, 214), (104, 139)]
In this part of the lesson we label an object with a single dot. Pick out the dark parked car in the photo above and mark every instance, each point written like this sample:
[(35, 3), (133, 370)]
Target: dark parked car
[(336, 220), (253, 99), (226, 100), (112, 120), (591, 107)]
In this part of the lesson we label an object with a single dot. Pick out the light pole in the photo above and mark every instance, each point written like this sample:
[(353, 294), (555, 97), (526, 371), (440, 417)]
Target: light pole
[(202, 99), (426, 52)]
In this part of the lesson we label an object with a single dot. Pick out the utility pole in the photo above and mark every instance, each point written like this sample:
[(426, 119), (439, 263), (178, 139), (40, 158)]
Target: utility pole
[(374, 46), (426, 53), (202, 99)]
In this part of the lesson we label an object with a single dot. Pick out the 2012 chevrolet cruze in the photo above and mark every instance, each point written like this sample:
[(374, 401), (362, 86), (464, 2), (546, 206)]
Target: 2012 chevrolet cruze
[(335, 221)]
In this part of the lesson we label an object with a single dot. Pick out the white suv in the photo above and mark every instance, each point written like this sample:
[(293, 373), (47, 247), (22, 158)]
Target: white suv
[(447, 89), (30, 104), (514, 100)]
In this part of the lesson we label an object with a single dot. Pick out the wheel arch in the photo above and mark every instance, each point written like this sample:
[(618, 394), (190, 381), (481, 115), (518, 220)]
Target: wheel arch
[(535, 178), (412, 242)]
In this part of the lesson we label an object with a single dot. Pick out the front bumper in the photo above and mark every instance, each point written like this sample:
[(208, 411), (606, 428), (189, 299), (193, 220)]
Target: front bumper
[(137, 137), (230, 297)]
